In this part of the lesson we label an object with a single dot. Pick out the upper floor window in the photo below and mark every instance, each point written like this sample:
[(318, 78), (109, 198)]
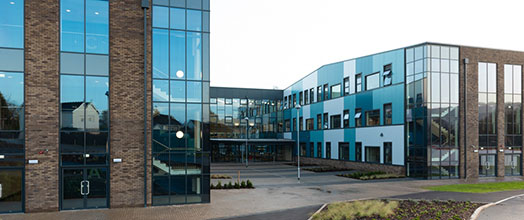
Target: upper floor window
[(285, 101), (358, 82), (287, 125), (12, 23), (306, 97), (310, 124), (319, 121), (388, 114), (301, 123), (346, 86), (301, 98), (326, 123), (358, 117), (373, 118), (311, 95), (335, 121), (294, 100), (372, 81), (346, 118), (319, 93), (335, 91), (326, 92), (387, 75)]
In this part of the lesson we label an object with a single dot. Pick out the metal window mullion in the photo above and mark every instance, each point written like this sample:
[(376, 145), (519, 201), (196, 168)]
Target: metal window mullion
[(84, 77)]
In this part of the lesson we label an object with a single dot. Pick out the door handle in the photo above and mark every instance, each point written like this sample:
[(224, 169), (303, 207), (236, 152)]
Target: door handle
[(84, 183), (487, 166), (82, 188), (87, 193), (0, 190)]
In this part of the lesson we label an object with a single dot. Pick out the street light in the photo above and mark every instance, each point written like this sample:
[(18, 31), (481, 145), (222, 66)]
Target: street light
[(298, 142), (247, 135)]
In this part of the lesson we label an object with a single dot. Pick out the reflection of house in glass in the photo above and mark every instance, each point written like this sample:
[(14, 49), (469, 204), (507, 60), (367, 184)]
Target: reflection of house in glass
[(73, 115)]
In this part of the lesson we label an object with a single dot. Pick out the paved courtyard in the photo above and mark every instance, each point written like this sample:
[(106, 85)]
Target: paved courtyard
[(277, 190)]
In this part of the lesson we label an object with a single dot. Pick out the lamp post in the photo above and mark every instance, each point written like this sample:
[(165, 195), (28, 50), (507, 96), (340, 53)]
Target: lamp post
[(247, 135), (298, 142)]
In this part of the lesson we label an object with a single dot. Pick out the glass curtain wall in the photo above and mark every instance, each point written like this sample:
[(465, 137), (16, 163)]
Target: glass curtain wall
[(11, 106), (487, 104), (84, 103), (513, 122), (432, 97), (180, 52)]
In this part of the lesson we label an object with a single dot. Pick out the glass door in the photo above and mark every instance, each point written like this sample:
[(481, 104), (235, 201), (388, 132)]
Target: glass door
[(487, 165), (512, 165), (84, 188), (10, 190)]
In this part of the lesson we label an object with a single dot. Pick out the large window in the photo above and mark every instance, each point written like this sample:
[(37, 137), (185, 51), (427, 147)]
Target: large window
[(513, 119), (287, 125), (294, 100), (311, 95), (372, 81), (388, 114), (388, 152), (335, 91), (487, 88), (373, 154), (306, 97), (310, 125), (301, 98), (319, 93), (12, 132), (180, 63), (335, 121), (387, 75), (373, 118), (319, 121)]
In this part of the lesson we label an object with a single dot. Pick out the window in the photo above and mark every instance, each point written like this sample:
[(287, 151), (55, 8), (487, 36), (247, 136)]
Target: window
[(358, 82), (335, 121), (301, 124), (335, 91), (358, 117), (311, 95), (287, 125), (311, 149), (373, 154), (300, 98), (328, 150), (326, 124), (319, 93), (294, 100), (373, 118), (487, 103), (285, 102), (294, 128), (319, 121), (372, 81), (346, 118), (346, 86), (289, 100), (358, 151), (310, 124), (388, 114), (303, 149), (306, 97), (343, 151), (319, 149), (326, 92), (387, 75), (229, 101), (12, 24), (513, 107), (388, 152)]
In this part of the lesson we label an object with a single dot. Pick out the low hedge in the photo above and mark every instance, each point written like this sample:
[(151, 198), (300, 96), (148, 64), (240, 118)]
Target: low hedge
[(243, 185)]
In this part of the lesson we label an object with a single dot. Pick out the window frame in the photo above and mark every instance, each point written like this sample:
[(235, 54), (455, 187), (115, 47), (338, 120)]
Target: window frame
[(358, 121), (388, 158), (326, 92), (346, 86), (345, 122), (368, 113), (388, 118), (358, 85), (368, 77), (325, 121), (388, 67), (332, 120)]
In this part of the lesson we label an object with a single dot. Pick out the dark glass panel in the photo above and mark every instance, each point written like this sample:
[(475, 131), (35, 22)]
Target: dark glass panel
[(96, 159), (11, 180), (97, 142), (194, 91), (196, 4), (11, 89), (205, 22), (194, 56), (12, 161), (97, 26), (205, 4), (97, 103), (177, 3), (177, 120), (160, 54), (177, 54), (97, 197), (160, 190), (72, 26), (193, 126), (11, 119), (160, 127), (178, 91), (11, 142), (72, 142), (72, 101), (72, 159)]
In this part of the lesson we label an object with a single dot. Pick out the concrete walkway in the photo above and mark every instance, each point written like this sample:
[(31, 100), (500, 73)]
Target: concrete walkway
[(510, 209)]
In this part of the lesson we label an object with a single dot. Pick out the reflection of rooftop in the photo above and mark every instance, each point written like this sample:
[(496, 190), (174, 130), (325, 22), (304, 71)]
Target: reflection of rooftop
[(243, 140)]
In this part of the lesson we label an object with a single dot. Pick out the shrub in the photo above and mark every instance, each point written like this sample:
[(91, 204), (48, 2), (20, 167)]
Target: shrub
[(219, 185), (237, 186), (229, 185), (243, 184), (249, 185)]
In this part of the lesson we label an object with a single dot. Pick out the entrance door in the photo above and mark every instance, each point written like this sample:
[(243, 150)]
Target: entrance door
[(84, 188), (10, 190), (488, 165), (512, 165)]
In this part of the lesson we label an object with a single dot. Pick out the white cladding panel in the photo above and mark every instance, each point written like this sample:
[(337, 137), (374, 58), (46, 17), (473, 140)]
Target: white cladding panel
[(334, 136), (350, 69), (371, 136)]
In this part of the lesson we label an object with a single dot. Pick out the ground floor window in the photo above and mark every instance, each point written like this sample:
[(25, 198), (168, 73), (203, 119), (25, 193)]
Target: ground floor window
[(319, 150), (388, 157), (343, 151), (311, 149), (328, 150), (373, 154), (358, 151), (303, 149)]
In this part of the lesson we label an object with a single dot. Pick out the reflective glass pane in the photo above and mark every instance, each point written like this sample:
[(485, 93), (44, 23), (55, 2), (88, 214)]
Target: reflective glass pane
[(11, 118), (161, 90), (72, 26), (435, 87), (435, 51), (418, 53), (444, 52), (454, 53), (97, 142), (178, 91), (194, 91), (12, 24), (97, 103), (160, 17), (205, 4), (454, 88), (435, 65), (454, 66), (205, 89), (517, 79), (11, 89), (72, 142), (177, 54), (193, 125), (196, 4), (161, 2), (160, 127), (11, 182), (72, 100), (492, 77), (97, 65), (194, 56), (11, 59), (72, 63), (177, 19), (11, 142), (205, 60), (205, 22), (97, 26), (160, 53), (194, 20), (444, 66), (409, 55), (177, 131), (482, 77), (444, 87), (177, 3)]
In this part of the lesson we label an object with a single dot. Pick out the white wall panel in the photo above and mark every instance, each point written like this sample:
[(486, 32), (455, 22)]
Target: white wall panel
[(371, 137), (350, 69), (334, 136)]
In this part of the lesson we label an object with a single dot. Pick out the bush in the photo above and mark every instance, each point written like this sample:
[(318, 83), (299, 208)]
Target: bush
[(249, 185), (219, 185), (229, 185), (237, 186), (243, 184)]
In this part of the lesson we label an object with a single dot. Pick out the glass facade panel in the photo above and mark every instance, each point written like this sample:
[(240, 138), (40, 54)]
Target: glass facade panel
[(12, 24), (372, 81), (177, 18), (160, 53), (72, 26), (97, 26), (177, 57), (11, 59), (97, 65), (194, 56)]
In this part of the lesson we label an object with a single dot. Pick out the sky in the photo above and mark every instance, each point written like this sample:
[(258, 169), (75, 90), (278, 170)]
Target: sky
[(274, 43)]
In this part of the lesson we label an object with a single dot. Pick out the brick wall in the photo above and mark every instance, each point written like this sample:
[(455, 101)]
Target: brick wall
[(126, 103), (399, 170), (476, 55), (41, 104)]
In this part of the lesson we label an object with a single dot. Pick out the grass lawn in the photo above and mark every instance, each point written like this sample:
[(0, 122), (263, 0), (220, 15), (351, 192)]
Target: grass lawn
[(480, 187)]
